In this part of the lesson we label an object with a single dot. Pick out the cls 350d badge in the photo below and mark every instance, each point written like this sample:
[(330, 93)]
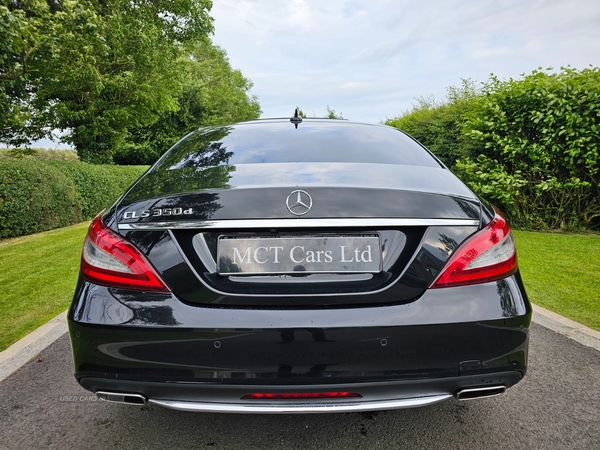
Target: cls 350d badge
[(158, 212)]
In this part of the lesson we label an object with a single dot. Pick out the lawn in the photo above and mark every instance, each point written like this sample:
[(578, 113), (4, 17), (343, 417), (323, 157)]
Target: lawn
[(561, 272), (38, 273)]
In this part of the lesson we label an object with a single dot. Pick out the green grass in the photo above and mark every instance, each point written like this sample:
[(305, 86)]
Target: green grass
[(561, 272), (38, 274)]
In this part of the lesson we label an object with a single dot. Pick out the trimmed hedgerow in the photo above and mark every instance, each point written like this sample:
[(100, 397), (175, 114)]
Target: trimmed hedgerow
[(539, 140), (34, 197), (98, 186), (529, 145), (40, 195)]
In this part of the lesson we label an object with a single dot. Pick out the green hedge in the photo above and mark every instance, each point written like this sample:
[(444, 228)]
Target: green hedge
[(530, 145), (34, 197), (97, 186), (40, 195), (539, 140)]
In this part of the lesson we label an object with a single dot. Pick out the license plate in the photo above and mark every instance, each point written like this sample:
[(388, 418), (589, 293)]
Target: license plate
[(306, 254)]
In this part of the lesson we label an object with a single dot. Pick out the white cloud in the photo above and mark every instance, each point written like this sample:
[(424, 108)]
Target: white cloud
[(370, 59)]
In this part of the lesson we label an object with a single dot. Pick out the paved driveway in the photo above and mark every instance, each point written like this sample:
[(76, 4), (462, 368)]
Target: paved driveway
[(556, 406)]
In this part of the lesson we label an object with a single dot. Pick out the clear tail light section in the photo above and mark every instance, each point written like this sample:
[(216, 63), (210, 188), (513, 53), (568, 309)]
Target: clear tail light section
[(109, 260), (488, 255)]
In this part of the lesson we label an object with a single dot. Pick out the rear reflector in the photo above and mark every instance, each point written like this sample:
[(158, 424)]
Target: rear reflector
[(109, 260), (489, 255), (299, 395)]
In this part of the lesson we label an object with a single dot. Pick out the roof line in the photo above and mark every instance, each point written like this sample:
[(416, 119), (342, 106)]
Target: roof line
[(287, 118)]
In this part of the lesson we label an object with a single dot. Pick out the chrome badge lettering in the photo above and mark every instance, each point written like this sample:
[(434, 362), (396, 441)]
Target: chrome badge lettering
[(158, 212)]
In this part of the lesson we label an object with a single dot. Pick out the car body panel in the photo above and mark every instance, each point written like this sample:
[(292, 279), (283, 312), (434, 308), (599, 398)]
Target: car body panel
[(156, 336)]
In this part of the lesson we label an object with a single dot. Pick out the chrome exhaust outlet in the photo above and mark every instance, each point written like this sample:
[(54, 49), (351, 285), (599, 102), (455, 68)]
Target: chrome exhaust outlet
[(121, 397), (481, 392)]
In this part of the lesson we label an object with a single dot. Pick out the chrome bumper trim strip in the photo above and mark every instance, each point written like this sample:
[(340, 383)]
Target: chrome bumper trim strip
[(294, 223), (300, 408)]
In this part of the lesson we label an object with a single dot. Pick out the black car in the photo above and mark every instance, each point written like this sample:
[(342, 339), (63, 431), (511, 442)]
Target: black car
[(298, 266)]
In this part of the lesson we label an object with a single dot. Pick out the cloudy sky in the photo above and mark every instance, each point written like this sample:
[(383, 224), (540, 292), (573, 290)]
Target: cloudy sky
[(371, 59)]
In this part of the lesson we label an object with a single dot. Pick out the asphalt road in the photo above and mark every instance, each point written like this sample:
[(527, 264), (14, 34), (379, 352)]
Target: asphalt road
[(556, 406)]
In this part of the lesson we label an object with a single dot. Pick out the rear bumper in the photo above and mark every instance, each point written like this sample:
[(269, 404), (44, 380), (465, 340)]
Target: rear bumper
[(215, 397), (198, 358)]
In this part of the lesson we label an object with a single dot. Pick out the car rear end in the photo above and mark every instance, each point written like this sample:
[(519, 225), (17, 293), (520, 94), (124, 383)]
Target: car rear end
[(259, 268)]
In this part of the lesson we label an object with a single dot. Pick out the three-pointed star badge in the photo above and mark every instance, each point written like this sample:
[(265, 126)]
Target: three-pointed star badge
[(299, 202)]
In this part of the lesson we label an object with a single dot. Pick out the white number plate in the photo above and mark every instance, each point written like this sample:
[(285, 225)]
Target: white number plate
[(288, 255)]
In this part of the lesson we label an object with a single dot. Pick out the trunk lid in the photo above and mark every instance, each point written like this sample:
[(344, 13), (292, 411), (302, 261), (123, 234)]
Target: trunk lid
[(260, 191), (419, 214)]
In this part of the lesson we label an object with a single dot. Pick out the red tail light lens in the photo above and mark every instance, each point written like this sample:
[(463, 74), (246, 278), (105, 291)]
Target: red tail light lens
[(299, 395), (109, 260), (489, 255)]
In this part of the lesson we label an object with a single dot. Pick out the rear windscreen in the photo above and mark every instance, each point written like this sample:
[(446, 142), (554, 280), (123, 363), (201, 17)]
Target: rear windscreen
[(281, 142)]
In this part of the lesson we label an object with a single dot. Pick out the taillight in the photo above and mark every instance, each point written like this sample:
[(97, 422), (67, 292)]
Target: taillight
[(299, 395), (110, 260), (488, 255)]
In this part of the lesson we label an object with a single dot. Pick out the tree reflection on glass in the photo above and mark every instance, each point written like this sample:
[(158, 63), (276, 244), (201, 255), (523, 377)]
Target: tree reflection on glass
[(198, 162), (202, 148)]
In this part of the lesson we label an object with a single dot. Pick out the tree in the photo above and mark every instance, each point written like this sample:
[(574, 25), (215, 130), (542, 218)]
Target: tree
[(25, 34), (94, 68), (331, 114), (212, 94), (301, 113)]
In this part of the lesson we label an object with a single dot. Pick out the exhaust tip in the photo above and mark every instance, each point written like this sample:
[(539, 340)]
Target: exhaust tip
[(121, 397), (481, 392)]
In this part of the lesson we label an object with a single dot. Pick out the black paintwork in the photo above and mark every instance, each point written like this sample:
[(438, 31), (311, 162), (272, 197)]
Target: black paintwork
[(386, 333), (328, 202), (99, 305), (156, 336)]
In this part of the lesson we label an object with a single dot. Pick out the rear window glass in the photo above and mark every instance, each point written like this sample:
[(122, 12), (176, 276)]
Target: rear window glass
[(280, 142)]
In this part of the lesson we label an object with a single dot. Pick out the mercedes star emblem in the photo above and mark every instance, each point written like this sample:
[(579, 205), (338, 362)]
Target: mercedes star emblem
[(299, 202)]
